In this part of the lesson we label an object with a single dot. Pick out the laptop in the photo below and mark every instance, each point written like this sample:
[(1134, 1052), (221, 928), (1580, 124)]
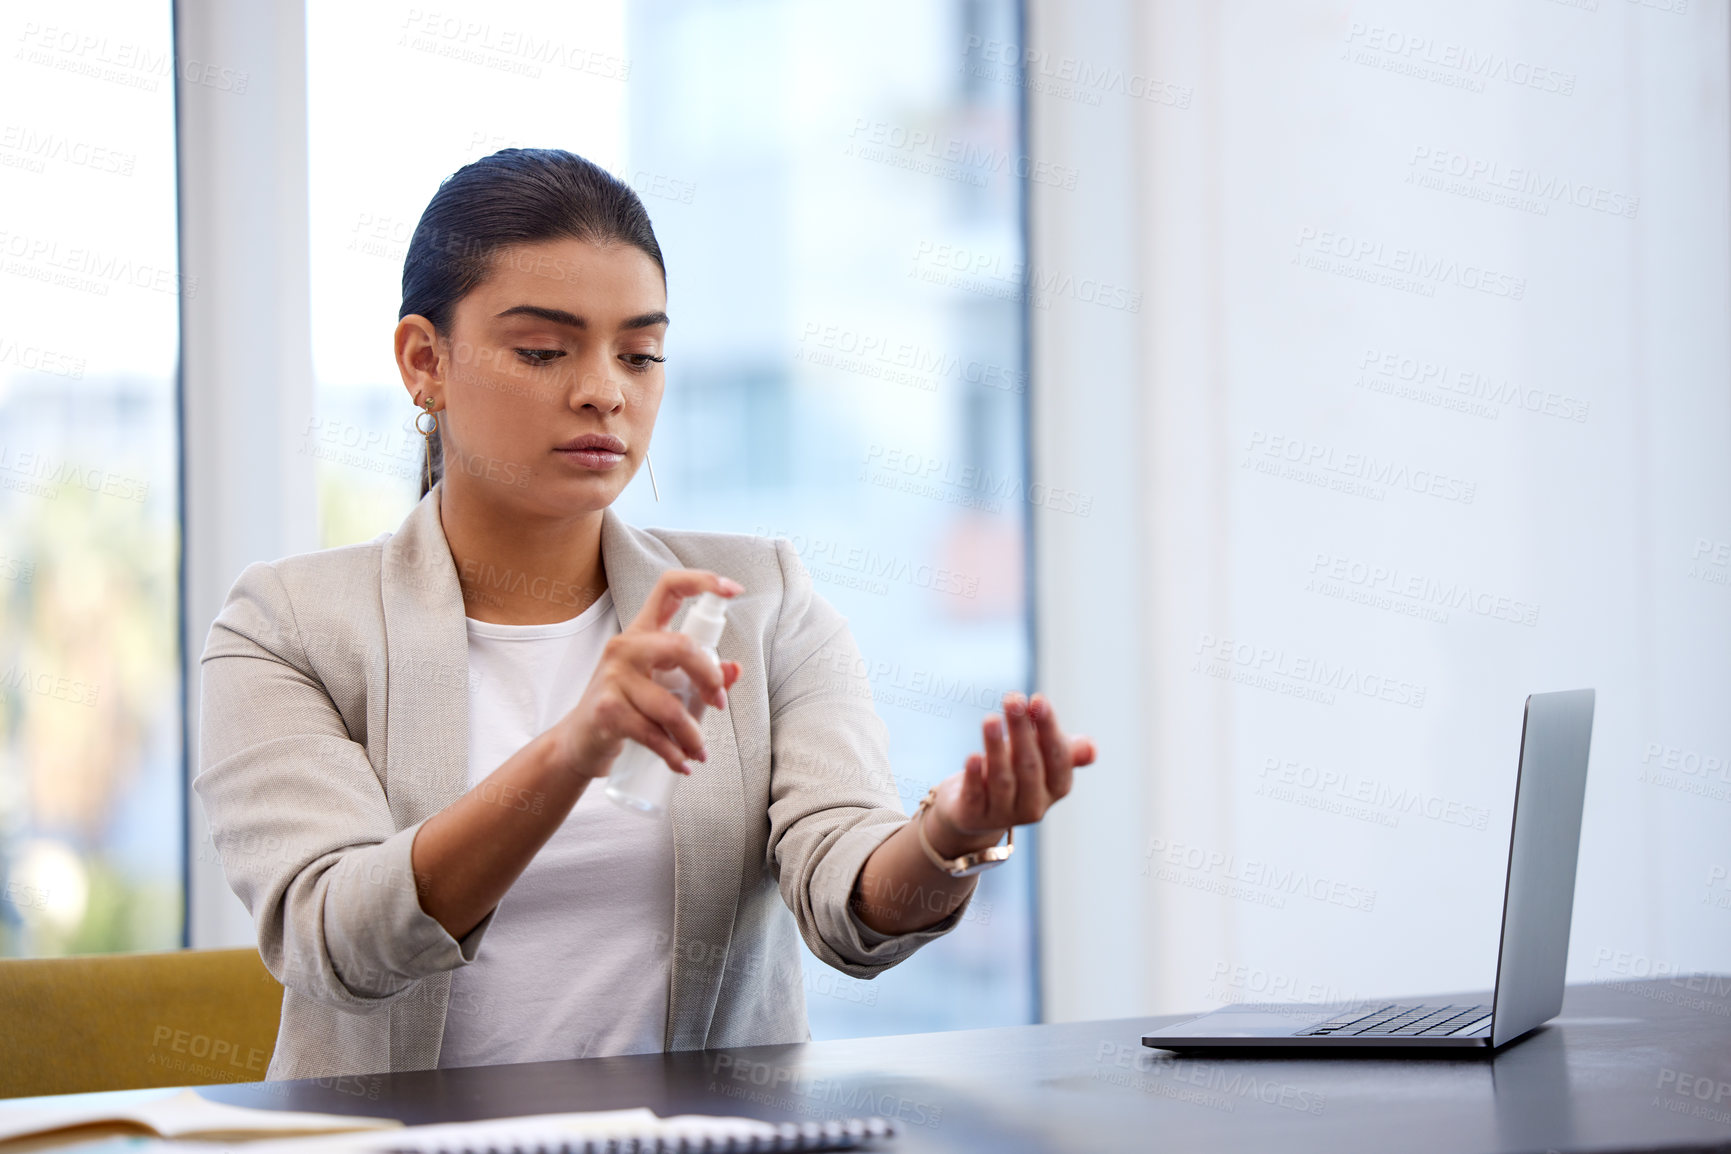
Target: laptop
[(1538, 898)]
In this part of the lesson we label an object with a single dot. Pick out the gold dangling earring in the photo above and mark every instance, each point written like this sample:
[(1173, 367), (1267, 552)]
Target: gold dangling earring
[(650, 465), (427, 411)]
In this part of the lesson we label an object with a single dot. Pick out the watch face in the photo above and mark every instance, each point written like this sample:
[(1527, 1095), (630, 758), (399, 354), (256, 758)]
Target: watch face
[(986, 859)]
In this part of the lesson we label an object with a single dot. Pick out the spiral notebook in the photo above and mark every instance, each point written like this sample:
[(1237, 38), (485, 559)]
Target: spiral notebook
[(637, 1131)]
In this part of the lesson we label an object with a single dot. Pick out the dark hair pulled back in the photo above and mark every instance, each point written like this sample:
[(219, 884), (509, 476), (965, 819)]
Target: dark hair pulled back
[(515, 196)]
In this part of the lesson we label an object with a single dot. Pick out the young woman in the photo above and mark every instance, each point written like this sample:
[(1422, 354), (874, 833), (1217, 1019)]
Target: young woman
[(399, 739)]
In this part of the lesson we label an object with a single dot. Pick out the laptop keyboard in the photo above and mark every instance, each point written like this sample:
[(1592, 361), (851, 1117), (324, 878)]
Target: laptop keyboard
[(1398, 1022)]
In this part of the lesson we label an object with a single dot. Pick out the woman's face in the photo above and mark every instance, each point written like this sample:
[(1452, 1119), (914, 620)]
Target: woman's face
[(549, 379)]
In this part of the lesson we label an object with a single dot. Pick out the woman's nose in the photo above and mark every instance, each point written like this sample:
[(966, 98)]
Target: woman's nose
[(595, 386)]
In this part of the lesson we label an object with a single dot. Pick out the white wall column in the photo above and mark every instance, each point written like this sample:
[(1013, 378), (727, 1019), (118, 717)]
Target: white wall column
[(246, 361), (1090, 571)]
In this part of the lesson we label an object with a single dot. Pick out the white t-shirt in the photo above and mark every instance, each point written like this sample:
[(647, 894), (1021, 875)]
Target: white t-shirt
[(575, 963)]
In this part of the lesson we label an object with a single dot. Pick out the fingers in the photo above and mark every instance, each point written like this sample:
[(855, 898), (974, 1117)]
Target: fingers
[(646, 652), (646, 733), (972, 807), (625, 720), (1000, 777), (960, 810), (1054, 750), (1026, 761), (973, 793), (671, 590), (667, 713)]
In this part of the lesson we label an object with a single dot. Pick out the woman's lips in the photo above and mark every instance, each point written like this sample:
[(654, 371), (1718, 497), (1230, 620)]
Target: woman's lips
[(593, 450), (592, 458)]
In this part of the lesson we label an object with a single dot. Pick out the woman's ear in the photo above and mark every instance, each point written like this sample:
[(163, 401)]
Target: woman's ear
[(418, 359)]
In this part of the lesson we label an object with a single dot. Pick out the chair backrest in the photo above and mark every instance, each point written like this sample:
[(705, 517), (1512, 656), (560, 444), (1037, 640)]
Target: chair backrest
[(126, 1021)]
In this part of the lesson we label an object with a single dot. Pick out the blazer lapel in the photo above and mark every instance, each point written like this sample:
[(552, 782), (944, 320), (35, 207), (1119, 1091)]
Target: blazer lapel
[(427, 679), (426, 762), (708, 854)]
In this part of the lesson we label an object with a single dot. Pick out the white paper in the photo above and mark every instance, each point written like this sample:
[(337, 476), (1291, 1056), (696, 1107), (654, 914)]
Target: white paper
[(182, 1114)]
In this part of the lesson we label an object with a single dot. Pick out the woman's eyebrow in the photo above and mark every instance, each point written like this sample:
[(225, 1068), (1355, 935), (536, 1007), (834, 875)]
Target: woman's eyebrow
[(561, 317)]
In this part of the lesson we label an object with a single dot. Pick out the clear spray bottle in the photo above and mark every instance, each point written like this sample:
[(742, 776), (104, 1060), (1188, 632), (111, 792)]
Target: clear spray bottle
[(640, 780)]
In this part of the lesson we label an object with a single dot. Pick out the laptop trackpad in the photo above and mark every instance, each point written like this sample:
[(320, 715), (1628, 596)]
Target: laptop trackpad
[(1237, 1022)]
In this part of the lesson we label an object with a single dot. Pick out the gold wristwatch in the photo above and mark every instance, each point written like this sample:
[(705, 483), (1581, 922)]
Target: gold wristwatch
[(968, 864)]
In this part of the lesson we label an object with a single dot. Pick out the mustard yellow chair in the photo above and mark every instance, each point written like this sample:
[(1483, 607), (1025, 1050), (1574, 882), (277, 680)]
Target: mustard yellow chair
[(126, 1021)]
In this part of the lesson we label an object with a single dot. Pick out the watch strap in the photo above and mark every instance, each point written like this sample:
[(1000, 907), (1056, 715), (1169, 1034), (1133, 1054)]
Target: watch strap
[(967, 864)]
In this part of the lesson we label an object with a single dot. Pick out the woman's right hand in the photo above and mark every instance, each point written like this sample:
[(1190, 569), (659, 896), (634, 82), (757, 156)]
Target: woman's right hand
[(623, 701)]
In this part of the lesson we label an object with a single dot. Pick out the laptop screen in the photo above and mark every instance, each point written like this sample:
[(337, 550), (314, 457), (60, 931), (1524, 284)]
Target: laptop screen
[(1544, 845)]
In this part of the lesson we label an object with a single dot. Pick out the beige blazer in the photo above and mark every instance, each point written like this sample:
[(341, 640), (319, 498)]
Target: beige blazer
[(335, 720)]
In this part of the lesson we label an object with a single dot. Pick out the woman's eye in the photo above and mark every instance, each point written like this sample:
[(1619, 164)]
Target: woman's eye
[(539, 356), (642, 361)]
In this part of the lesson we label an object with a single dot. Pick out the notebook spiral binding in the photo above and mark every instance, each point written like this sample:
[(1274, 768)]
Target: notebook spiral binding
[(846, 1134)]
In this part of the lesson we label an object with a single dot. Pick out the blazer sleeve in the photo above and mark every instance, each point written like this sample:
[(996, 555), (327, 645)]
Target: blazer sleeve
[(299, 817), (832, 794)]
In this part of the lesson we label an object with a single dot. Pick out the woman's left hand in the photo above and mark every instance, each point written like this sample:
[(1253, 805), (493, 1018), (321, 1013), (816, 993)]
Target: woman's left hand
[(1026, 767)]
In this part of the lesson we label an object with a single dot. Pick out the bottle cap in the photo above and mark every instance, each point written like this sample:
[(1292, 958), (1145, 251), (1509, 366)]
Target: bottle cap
[(705, 620)]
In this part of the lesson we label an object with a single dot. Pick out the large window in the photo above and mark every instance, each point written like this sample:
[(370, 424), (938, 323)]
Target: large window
[(90, 707), (837, 190)]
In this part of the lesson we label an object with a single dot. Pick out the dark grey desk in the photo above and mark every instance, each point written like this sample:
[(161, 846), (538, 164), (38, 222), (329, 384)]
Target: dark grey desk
[(1636, 1065)]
